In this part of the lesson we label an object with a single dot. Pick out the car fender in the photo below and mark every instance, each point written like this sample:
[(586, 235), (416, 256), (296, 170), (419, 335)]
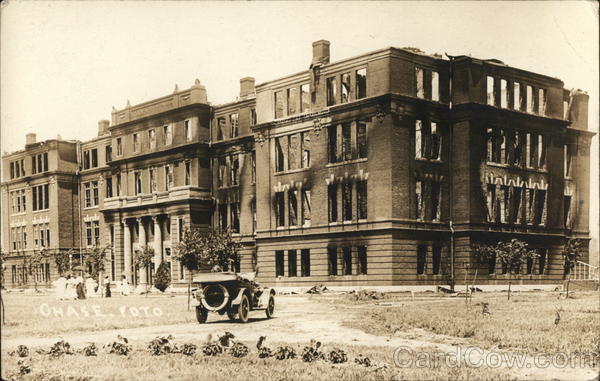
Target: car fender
[(264, 297), (238, 298)]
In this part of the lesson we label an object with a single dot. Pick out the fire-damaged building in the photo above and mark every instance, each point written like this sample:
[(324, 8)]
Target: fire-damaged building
[(381, 169)]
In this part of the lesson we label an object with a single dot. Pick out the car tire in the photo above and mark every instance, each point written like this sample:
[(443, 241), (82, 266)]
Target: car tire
[(270, 307), (201, 314), (244, 309)]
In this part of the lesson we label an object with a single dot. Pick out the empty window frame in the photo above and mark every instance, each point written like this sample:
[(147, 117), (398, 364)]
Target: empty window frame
[(136, 142), (491, 95), (119, 147), (361, 83), (503, 93), (362, 259), (221, 169), (419, 202), (292, 100), (306, 207), (567, 211), (221, 125), (542, 101), (234, 169), (568, 157), (187, 130), (346, 86), (304, 98), (294, 152), (168, 177), (167, 135), (421, 259), (280, 208), (529, 100), (279, 263), (517, 97), (420, 82), (435, 86), (292, 263), (305, 141), (347, 153), (278, 99), (223, 216), (152, 138), (347, 201), (281, 153), (188, 173), (138, 182), (305, 262), (331, 85), (347, 141), (332, 265), (293, 207), (361, 199), (233, 125), (234, 209), (40, 197), (152, 180), (332, 202), (428, 140), (252, 116)]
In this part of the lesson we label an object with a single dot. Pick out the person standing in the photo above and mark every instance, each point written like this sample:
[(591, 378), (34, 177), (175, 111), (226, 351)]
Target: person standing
[(107, 285), (124, 286), (70, 293), (90, 286), (79, 287), (60, 285)]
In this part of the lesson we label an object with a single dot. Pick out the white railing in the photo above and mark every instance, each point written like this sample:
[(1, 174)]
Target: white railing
[(585, 271)]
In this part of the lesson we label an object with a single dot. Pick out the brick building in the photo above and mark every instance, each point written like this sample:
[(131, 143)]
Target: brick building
[(382, 169)]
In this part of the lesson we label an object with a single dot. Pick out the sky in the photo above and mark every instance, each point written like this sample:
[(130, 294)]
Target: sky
[(63, 65)]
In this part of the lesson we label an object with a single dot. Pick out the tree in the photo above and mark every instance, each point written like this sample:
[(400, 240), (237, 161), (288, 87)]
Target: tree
[(213, 249), (32, 263), (163, 277), (62, 259), (143, 258), (96, 259), (571, 254), (512, 255)]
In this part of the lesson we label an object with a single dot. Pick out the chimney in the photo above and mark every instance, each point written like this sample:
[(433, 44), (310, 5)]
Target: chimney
[(246, 86), (30, 139), (320, 52), (103, 127)]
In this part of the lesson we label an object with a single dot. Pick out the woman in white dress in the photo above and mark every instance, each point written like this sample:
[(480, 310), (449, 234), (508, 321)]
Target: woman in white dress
[(124, 286), (59, 287), (90, 287), (70, 292)]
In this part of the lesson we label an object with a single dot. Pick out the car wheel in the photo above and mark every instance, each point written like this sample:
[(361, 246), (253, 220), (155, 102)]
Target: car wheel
[(201, 314), (244, 309), (270, 307)]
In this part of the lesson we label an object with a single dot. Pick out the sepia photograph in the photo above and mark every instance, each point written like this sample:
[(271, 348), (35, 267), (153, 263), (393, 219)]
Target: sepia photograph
[(302, 190)]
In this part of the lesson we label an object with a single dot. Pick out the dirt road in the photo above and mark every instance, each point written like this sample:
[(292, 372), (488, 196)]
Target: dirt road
[(300, 318)]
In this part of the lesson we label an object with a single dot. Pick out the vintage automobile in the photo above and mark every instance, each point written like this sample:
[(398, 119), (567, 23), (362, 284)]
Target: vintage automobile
[(231, 293)]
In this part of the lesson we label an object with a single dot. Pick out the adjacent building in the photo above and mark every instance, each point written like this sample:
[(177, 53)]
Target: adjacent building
[(382, 169)]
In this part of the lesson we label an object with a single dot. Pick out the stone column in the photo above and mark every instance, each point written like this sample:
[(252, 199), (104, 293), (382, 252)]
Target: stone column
[(127, 250), (143, 245), (157, 243)]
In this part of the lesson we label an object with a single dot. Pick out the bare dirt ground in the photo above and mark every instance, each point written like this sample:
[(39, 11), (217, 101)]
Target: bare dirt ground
[(300, 318)]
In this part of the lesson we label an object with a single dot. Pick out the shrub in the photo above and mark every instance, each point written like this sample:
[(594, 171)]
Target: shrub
[(90, 350), (119, 347), (337, 356), (188, 349), (312, 353), (363, 360), (60, 348), (162, 345), (21, 351), (239, 350), (163, 277), (264, 352), (285, 352), (24, 367), (212, 349)]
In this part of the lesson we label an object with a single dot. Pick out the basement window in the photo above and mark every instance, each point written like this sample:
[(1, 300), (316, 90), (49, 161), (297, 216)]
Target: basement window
[(362, 259), (436, 259), (279, 263), (292, 264), (347, 253), (332, 261), (421, 259), (305, 262), (542, 261), (529, 266), (492, 264)]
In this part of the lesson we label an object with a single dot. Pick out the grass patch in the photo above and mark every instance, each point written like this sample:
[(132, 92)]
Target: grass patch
[(526, 322), (141, 365)]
